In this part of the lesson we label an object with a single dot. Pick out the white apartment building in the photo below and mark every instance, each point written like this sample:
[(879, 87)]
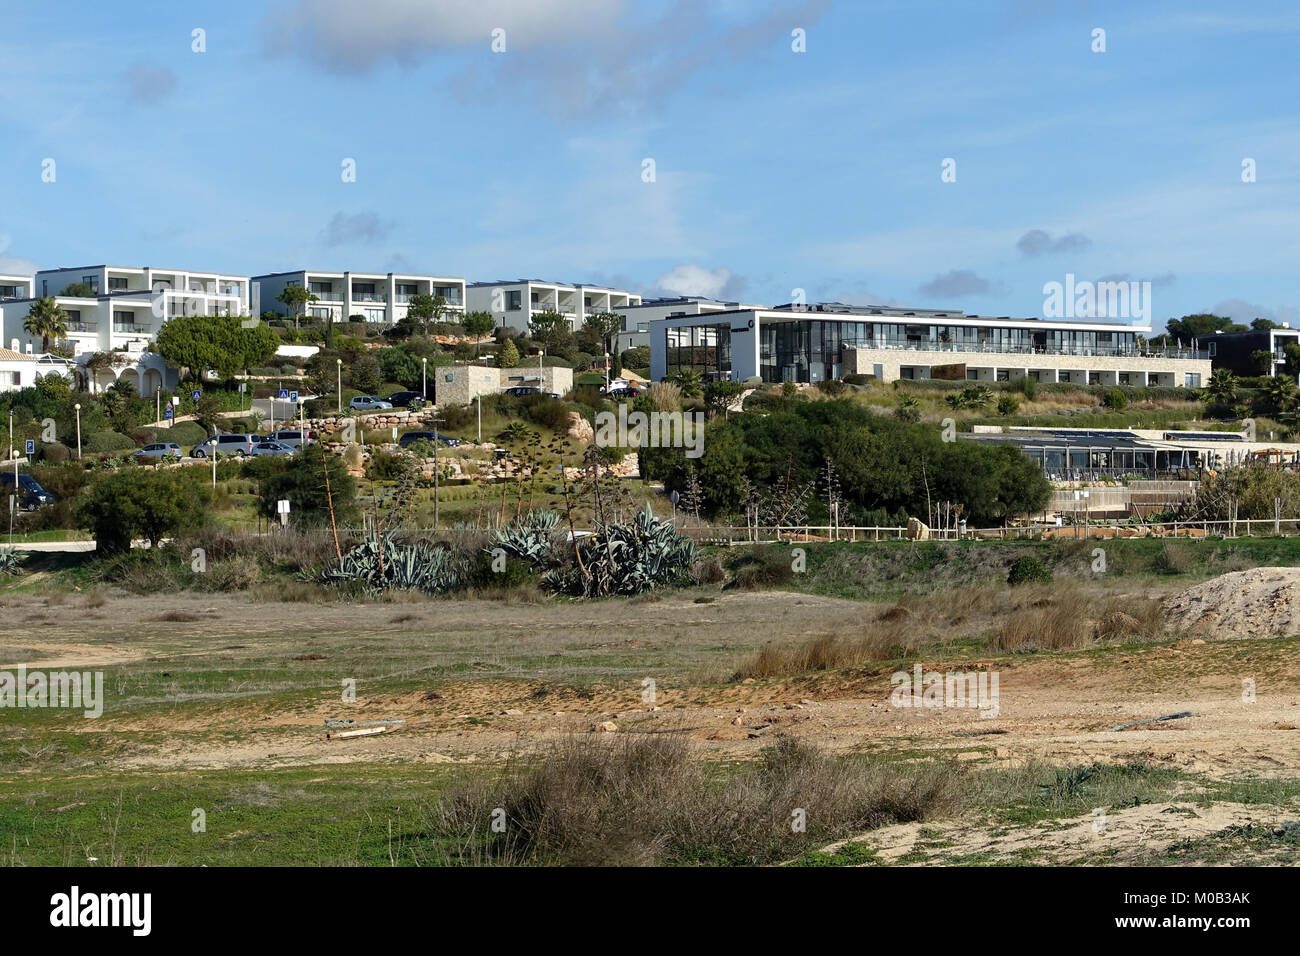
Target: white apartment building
[(123, 311), (183, 291), (16, 287), (637, 319), (373, 296), (514, 303)]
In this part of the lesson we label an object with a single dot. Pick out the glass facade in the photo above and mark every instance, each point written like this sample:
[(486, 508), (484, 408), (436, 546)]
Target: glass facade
[(702, 348)]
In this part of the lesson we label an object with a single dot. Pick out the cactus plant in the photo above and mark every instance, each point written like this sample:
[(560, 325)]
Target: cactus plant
[(630, 558), (380, 563)]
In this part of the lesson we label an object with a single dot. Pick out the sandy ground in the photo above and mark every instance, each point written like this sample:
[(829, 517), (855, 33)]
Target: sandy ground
[(1260, 602)]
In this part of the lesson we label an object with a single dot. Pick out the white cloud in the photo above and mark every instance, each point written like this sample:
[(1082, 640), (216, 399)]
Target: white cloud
[(693, 280)]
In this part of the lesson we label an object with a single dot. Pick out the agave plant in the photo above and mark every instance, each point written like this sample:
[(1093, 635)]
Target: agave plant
[(380, 563), (8, 561), (530, 538), (629, 558)]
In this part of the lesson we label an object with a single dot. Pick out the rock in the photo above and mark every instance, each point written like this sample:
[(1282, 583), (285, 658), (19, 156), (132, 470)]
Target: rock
[(605, 726)]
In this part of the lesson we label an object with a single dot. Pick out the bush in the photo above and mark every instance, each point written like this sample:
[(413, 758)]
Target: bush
[(183, 434), (107, 441), (1008, 404), (638, 357), (1115, 400), (123, 505), (303, 483), (1026, 569)]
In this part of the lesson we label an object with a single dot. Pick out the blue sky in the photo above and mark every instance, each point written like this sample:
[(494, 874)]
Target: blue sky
[(774, 170)]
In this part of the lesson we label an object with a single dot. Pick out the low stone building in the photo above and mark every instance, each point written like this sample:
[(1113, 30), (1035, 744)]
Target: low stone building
[(462, 384)]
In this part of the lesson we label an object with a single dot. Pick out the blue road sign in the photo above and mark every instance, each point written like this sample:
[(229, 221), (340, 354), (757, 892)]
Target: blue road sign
[(196, 394), (284, 393), (293, 397), (168, 413), (31, 446)]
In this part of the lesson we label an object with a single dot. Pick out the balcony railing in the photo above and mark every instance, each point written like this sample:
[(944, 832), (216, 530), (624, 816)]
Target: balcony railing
[(368, 297), (1002, 348), (561, 309), (82, 327), (404, 298), (129, 328), (328, 296)]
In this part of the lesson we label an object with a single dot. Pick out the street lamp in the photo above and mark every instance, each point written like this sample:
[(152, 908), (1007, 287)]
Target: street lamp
[(77, 409), (424, 378), (157, 401), (339, 363), (541, 378)]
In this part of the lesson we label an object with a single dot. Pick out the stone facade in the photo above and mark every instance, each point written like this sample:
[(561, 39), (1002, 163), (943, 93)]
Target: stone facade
[(888, 365), (462, 384)]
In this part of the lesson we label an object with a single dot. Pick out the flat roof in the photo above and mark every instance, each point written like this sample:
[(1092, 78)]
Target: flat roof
[(920, 316), (353, 272)]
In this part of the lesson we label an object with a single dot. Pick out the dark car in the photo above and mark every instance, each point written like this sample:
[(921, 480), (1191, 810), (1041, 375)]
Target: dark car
[(30, 494), (406, 399), (411, 438), (630, 392), (523, 391)]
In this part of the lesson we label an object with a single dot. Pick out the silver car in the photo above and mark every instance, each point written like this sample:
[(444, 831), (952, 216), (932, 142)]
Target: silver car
[(239, 444), (160, 449), (368, 403), (272, 448), (293, 438)]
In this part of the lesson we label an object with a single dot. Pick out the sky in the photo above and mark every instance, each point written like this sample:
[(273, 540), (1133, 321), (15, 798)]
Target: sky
[(742, 149)]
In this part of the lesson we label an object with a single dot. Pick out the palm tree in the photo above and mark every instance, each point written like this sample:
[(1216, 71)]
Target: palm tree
[(1222, 386), (1281, 392), (689, 381), (47, 319)]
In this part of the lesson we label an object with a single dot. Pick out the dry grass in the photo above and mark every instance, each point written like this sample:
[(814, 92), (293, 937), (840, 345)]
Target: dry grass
[(646, 801)]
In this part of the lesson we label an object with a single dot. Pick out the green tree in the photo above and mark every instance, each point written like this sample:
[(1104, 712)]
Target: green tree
[(1222, 387), (425, 309), (1280, 393), (217, 342), (301, 480), (297, 297), (720, 395), (1263, 325), (79, 290), (134, 503), (508, 355), (363, 373), (1202, 323), (47, 319), (689, 381), (478, 324)]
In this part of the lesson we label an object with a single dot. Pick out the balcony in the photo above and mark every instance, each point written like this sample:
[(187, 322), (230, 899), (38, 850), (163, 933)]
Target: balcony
[(328, 296), (369, 297), (992, 348), (90, 327), (128, 328)]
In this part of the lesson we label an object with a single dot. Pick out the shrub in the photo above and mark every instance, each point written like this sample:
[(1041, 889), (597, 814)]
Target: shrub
[(1008, 404), (631, 558), (1115, 400), (831, 386), (101, 442), (379, 563), (1026, 569), (123, 505)]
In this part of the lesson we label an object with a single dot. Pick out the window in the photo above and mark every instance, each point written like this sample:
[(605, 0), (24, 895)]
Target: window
[(1192, 380), (116, 283), (514, 300), (319, 286), (407, 288), (374, 315), (92, 281), (363, 288)]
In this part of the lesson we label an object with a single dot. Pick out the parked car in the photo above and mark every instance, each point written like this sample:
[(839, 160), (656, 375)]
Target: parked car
[(630, 392), (368, 403), (273, 448), (159, 449), (30, 494), (411, 438), (293, 437), (522, 391), (406, 399), (238, 444), (616, 383)]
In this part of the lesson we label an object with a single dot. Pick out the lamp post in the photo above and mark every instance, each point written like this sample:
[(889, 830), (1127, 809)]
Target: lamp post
[(77, 409), (607, 371), (339, 363), (437, 439), (157, 401), (540, 377), (478, 399), (214, 455), (13, 498), (424, 377)]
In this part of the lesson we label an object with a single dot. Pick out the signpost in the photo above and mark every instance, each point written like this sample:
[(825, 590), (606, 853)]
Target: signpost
[(196, 394), (282, 509), (31, 446)]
